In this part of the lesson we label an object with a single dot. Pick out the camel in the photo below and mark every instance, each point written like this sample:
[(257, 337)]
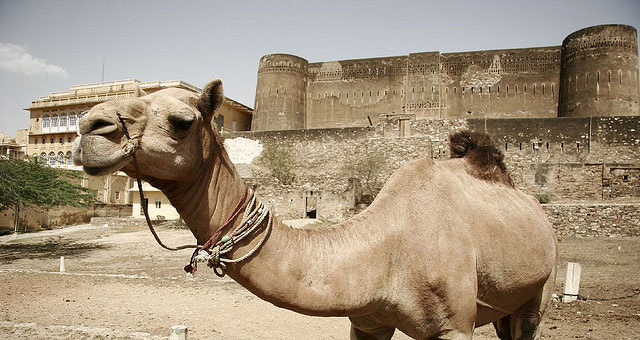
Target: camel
[(445, 247)]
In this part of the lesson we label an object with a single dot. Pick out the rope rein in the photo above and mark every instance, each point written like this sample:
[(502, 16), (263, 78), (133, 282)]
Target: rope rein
[(254, 215), (143, 200)]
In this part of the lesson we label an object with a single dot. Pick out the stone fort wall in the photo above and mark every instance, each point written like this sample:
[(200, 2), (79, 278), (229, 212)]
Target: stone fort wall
[(585, 159), (594, 73)]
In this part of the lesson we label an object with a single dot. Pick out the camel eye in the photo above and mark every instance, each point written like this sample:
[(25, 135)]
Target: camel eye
[(181, 123)]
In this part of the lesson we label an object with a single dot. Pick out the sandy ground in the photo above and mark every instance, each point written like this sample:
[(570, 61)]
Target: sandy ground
[(120, 285)]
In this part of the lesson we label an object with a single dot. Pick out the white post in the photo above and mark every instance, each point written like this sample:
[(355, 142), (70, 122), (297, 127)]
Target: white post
[(571, 282), (178, 332), (62, 268)]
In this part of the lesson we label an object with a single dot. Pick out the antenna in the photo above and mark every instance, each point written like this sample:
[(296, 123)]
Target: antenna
[(103, 60)]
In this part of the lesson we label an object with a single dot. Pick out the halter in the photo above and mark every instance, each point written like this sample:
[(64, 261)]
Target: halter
[(254, 215)]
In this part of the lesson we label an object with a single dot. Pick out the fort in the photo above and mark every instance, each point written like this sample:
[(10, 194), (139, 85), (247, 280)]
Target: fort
[(593, 73), (566, 117)]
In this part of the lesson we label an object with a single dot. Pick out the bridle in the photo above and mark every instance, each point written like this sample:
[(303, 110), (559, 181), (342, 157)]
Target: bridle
[(213, 250)]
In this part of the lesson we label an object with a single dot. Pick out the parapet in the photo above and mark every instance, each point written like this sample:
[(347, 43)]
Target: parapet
[(282, 63)]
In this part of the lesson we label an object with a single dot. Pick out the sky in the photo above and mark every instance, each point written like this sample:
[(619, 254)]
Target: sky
[(47, 46)]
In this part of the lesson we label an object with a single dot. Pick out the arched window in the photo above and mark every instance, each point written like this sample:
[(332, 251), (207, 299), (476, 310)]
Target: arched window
[(43, 158), (63, 121), (60, 159), (67, 158), (72, 121), (52, 158), (54, 121), (46, 122)]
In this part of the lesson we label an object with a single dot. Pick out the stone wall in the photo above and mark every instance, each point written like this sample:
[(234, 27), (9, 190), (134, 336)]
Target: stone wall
[(34, 218), (496, 84), (594, 219), (564, 159)]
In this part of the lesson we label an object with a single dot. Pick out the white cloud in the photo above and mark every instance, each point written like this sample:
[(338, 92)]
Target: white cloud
[(15, 58)]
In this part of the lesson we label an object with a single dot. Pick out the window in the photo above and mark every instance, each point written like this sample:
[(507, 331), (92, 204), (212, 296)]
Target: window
[(43, 158), (158, 204), (67, 158), (61, 159), (61, 140), (219, 121), (233, 125), (45, 122), (54, 121), (63, 120), (52, 159), (72, 119), (144, 205), (43, 141), (117, 195)]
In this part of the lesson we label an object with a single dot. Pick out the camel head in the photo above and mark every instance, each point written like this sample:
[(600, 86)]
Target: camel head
[(170, 132)]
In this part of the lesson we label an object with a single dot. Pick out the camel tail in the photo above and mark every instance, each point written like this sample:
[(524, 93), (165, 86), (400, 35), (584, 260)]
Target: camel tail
[(487, 162)]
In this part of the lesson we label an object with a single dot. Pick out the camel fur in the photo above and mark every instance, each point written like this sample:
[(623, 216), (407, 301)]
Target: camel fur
[(445, 247)]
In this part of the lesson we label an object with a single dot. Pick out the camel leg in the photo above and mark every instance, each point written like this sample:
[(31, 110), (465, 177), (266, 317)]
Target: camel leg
[(363, 329), (525, 321), (503, 328)]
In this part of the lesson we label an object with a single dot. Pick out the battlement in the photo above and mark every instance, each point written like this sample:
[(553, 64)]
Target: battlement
[(593, 73)]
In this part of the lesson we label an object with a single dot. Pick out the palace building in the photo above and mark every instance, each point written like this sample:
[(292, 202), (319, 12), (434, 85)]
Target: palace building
[(53, 126)]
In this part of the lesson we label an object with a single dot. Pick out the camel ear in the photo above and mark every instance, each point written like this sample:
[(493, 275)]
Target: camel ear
[(211, 98)]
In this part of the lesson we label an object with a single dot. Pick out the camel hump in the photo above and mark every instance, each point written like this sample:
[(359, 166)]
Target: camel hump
[(487, 162)]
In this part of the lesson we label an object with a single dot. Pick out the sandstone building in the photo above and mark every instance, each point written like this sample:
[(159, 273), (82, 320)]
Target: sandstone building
[(54, 120), (593, 73), (53, 126), (13, 147)]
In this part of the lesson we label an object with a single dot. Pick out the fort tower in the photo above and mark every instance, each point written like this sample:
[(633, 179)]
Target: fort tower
[(280, 93), (599, 72)]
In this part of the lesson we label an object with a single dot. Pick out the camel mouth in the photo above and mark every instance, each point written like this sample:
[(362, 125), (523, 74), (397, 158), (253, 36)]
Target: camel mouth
[(98, 156)]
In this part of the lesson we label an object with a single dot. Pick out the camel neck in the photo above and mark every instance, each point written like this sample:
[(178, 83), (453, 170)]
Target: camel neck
[(301, 270), (206, 202), (305, 269)]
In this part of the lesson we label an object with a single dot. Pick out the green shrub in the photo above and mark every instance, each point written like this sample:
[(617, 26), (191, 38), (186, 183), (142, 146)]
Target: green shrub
[(278, 161), (366, 169), (543, 198)]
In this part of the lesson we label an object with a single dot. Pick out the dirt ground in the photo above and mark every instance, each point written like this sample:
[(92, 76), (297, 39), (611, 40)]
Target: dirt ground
[(120, 285)]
